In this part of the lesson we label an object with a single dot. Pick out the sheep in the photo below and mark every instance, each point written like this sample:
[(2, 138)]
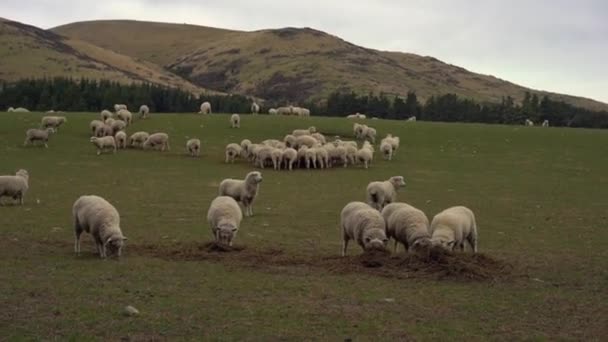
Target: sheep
[(52, 121), (104, 131), (288, 157), (290, 141), (411, 118), (452, 227), (297, 111), (193, 146), (304, 112), (322, 157), (545, 123), (110, 121), (121, 139), (119, 107), (337, 154), (305, 140), (273, 111), (408, 226), (284, 110), (235, 121), (125, 116), (386, 149), (137, 139), (311, 157), (117, 126), (277, 155), (380, 194), (366, 154), (157, 139), (245, 144), (94, 125), (224, 217), (21, 110), (10, 109), (351, 153), (369, 134), (529, 122), (35, 134), (143, 111), (96, 216), (253, 150), (255, 108), (205, 108), (105, 115), (320, 138), (15, 186), (392, 141), (310, 130), (103, 143), (232, 152), (244, 191), (358, 130), (362, 223), (266, 153)]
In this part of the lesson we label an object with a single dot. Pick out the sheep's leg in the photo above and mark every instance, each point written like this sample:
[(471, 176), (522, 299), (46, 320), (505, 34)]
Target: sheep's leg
[(78, 232), (396, 246), (98, 151), (344, 245), (21, 198), (473, 242)]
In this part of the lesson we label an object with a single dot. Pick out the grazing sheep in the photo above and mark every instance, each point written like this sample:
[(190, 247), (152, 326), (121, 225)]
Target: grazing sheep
[(245, 144), (52, 121), (105, 115), (10, 109), (144, 111), (104, 131), (311, 157), (304, 112), (193, 146), (452, 227), (15, 186), (233, 151), (322, 157), (351, 154), (224, 217), (289, 157), (358, 130), (35, 134), (277, 155), (117, 126), (290, 141), (244, 191), (362, 223), (305, 140), (369, 134), (408, 226), (545, 123), (273, 111), (235, 121), (366, 154), (411, 118), (21, 110), (119, 107), (137, 139), (310, 130), (386, 149), (125, 116), (157, 139), (110, 121), (529, 122), (392, 141), (264, 154), (273, 143), (255, 108), (284, 110), (94, 125), (337, 154), (103, 143), (380, 194), (96, 216), (320, 138), (121, 139), (205, 108)]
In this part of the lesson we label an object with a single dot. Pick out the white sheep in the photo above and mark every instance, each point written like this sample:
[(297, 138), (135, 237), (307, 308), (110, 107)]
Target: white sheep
[(137, 139), (117, 126), (96, 216), (94, 125), (157, 139), (290, 141), (310, 130), (369, 134), (411, 118), (121, 139), (103, 131), (104, 142), (302, 151), (305, 140), (452, 227), (273, 111), (35, 134), (311, 157), (110, 121), (193, 147), (284, 110), (205, 108), (320, 138), (362, 223), (386, 149), (144, 111), (52, 121), (408, 226), (15, 186), (336, 154), (545, 123), (105, 115), (255, 108), (322, 157), (235, 121), (224, 217), (125, 116), (351, 153), (268, 153), (358, 130), (304, 112), (392, 141), (365, 155), (118, 107), (244, 191), (289, 156), (10, 109), (529, 122), (21, 110), (277, 156), (245, 144), (233, 151), (380, 194)]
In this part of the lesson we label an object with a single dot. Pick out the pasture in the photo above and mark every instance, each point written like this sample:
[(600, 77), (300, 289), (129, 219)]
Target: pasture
[(540, 196)]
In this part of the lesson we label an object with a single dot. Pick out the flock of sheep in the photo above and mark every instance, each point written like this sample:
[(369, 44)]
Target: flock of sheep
[(370, 224), (529, 122)]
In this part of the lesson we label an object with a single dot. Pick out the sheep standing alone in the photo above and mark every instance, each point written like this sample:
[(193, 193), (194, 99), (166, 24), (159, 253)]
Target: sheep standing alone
[(255, 108), (407, 225), (244, 191), (235, 121), (452, 227), (52, 121), (193, 146), (529, 122), (379, 194), (411, 118), (35, 134), (232, 152), (545, 123), (10, 109), (205, 108), (137, 139), (224, 217), (362, 223), (105, 115), (104, 143), (144, 111), (121, 139), (96, 216), (157, 139), (15, 186), (21, 110)]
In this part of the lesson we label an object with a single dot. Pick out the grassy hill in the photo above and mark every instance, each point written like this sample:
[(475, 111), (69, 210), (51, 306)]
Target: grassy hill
[(27, 51), (291, 64)]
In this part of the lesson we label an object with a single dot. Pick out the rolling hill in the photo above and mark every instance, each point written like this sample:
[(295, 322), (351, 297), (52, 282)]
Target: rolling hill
[(292, 64), (30, 52)]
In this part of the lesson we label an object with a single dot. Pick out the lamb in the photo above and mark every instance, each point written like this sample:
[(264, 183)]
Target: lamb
[(52, 121), (15, 186), (193, 146), (244, 191), (310, 130), (235, 121), (96, 216), (322, 157), (125, 116), (273, 111), (305, 140), (232, 152), (119, 107), (392, 141), (103, 143), (224, 217), (121, 139), (545, 123), (255, 108), (94, 125), (205, 108), (366, 154), (144, 111), (351, 153), (157, 139), (302, 151), (105, 115), (362, 223), (35, 134), (452, 227), (380, 194), (137, 139), (104, 131), (110, 121), (289, 157), (408, 226)]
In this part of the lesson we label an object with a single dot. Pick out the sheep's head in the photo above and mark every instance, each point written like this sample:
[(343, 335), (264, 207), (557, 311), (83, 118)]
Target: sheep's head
[(312, 129), (224, 233), (443, 242), (422, 245), (375, 239), (22, 173), (254, 177), (93, 139), (114, 244), (397, 181)]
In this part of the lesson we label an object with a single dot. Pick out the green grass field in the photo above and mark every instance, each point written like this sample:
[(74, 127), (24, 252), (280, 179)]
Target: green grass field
[(540, 197)]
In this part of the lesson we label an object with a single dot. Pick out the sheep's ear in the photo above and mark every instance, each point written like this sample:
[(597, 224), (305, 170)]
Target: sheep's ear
[(451, 243), (108, 240)]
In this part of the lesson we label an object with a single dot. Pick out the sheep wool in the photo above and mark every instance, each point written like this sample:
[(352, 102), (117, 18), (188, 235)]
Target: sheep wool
[(365, 225), (15, 186), (35, 134), (137, 139), (244, 191), (121, 139), (235, 121), (452, 227), (380, 194), (193, 146), (96, 216), (205, 108), (103, 143), (408, 226), (157, 140), (144, 111), (224, 217), (233, 151)]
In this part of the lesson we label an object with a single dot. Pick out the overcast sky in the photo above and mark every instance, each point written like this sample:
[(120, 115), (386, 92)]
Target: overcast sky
[(554, 45)]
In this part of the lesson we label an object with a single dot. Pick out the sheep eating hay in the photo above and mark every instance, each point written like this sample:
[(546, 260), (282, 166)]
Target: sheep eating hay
[(364, 224), (379, 194), (224, 217), (408, 226), (452, 227), (96, 216), (244, 191), (15, 186)]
